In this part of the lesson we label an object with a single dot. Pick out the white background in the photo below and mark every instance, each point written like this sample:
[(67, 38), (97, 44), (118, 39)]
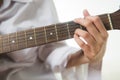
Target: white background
[(70, 9)]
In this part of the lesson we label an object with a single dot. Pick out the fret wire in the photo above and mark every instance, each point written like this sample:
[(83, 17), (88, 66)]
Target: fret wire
[(109, 18), (21, 37), (17, 40), (71, 29), (68, 30), (59, 32), (45, 35), (30, 38), (1, 44), (56, 32), (26, 38), (35, 36), (9, 42), (64, 31), (50, 33)]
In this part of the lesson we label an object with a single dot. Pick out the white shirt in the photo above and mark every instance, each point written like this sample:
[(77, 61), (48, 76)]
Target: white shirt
[(36, 63)]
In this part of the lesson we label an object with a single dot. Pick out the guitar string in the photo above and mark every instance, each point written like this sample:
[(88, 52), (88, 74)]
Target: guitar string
[(21, 37), (62, 32)]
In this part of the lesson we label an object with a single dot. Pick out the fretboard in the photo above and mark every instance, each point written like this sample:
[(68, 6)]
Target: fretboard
[(44, 35)]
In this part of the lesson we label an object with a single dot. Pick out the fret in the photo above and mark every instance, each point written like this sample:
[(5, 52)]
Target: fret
[(62, 31), (68, 30), (35, 37), (30, 38), (72, 27), (109, 18), (105, 21), (40, 36), (56, 32), (9, 41), (25, 38), (1, 45), (45, 35), (17, 39), (115, 19), (13, 42), (21, 39), (5, 43), (51, 33)]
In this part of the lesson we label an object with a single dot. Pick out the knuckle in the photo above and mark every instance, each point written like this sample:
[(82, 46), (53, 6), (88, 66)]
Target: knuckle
[(96, 19), (85, 35), (88, 23), (105, 36), (81, 45), (76, 31)]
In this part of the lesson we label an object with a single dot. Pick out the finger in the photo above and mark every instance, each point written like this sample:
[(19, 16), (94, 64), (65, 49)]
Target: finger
[(97, 21), (82, 44), (89, 26), (86, 13), (79, 41), (99, 25), (84, 47), (90, 40)]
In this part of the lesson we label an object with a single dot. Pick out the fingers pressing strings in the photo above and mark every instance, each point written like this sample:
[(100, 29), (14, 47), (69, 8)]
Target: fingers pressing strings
[(97, 22), (88, 24), (88, 39)]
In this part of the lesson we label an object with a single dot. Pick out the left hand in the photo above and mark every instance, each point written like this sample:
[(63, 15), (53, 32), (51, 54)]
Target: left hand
[(96, 38)]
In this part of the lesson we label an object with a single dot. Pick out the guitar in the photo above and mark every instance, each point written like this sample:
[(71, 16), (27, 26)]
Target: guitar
[(51, 33)]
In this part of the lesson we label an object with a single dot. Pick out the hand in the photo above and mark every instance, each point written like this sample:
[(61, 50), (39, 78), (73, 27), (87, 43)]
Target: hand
[(95, 38)]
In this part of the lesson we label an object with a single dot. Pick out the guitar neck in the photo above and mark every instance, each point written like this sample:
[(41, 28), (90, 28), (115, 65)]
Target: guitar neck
[(47, 34)]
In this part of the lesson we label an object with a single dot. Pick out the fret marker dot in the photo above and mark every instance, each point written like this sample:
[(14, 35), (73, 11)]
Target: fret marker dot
[(13, 41), (30, 38), (51, 33)]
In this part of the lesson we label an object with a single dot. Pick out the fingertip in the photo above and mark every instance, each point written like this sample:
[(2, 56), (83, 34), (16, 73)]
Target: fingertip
[(86, 13)]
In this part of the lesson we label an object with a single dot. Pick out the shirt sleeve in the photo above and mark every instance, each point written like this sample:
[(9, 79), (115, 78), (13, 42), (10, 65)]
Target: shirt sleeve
[(56, 55)]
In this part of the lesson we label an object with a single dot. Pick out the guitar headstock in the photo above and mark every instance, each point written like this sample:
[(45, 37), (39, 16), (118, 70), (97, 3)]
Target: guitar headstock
[(115, 18)]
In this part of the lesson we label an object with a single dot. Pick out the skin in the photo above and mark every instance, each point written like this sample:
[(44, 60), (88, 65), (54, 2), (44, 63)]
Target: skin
[(96, 38)]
